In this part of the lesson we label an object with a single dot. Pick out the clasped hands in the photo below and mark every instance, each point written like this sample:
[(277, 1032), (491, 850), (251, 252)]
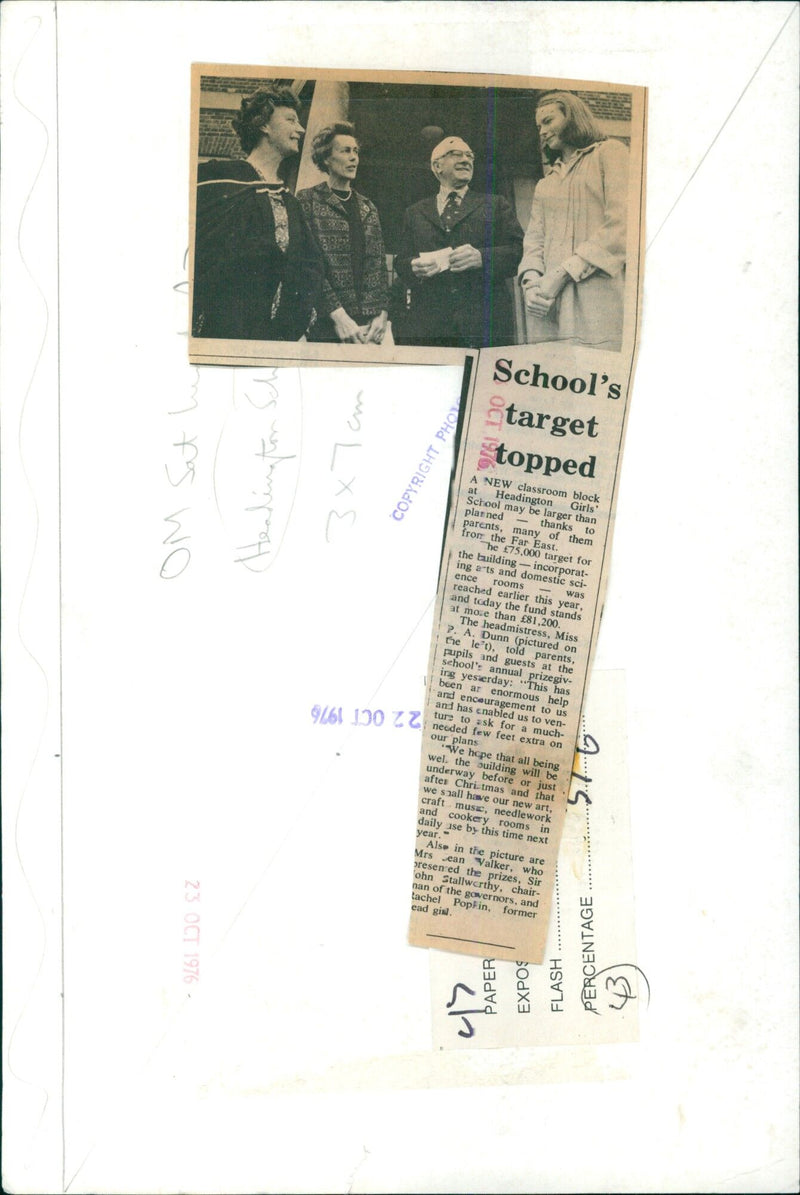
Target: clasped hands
[(349, 332), (465, 257), (540, 291)]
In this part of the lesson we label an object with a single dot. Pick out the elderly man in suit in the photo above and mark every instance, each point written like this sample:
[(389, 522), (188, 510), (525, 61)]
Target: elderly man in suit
[(458, 298)]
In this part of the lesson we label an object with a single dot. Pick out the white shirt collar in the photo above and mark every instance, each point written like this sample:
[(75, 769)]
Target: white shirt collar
[(441, 198)]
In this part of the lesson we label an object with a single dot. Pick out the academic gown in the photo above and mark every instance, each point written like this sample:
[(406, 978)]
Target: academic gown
[(238, 266)]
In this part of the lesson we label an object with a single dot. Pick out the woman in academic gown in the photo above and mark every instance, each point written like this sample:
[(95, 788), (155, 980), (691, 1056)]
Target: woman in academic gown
[(258, 271)]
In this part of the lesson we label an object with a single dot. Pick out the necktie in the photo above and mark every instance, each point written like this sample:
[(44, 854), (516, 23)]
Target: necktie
[(450, 210)]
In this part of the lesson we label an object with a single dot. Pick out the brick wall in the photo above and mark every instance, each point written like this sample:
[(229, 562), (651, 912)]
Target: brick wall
[(608, 105), (217, 138), (237, 86)]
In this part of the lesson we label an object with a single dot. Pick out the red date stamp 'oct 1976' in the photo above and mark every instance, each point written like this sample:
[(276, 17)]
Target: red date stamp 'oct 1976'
[(191, 933)]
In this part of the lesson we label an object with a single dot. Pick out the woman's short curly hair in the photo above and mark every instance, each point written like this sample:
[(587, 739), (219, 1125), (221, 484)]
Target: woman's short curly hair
[(581, 128), (256, 111), (323, 142)]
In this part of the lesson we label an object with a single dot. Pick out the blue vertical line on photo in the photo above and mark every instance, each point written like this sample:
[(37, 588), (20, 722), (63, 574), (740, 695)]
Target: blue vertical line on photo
[(488, 232)]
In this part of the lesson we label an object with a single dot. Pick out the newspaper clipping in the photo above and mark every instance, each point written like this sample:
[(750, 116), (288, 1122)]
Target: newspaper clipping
[(590, 990), (497, 221), (404, 217), (523, 569)]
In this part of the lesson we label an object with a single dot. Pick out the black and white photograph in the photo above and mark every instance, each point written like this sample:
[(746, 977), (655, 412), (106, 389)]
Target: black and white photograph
[(408, 217)]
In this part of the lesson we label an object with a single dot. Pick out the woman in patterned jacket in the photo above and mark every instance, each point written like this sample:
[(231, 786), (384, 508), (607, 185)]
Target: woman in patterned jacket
[(354, 303)]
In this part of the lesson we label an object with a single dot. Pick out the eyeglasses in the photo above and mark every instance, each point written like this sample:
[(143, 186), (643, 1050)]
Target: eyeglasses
[(459, 153)]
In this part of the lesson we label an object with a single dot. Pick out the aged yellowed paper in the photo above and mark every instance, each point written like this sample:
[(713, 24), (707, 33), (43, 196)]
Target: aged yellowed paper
[(352, 216), (525, 562), (590, 990)]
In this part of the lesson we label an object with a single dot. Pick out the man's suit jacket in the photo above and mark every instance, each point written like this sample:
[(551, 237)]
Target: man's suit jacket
[(470, 309)]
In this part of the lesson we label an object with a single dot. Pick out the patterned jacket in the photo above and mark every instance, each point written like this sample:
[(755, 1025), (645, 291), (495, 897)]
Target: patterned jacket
[(324, 212)]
